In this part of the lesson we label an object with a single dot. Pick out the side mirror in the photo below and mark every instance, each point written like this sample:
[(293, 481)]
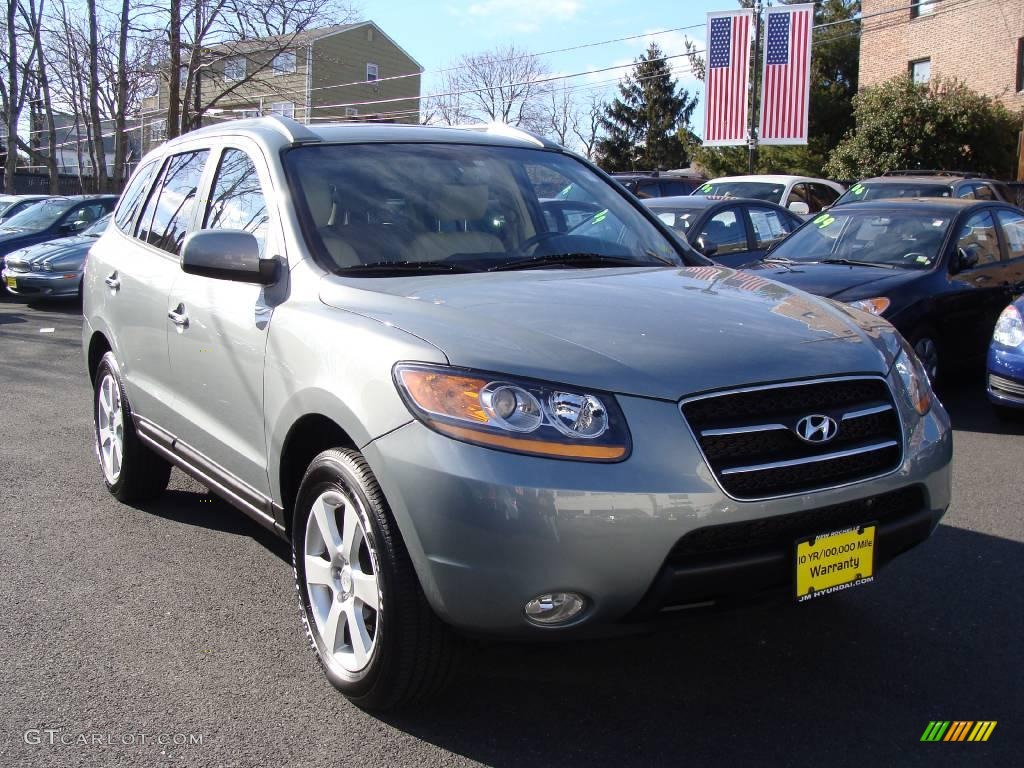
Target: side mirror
[(706, 246), (799, 207), (227, 254), (966, 258)]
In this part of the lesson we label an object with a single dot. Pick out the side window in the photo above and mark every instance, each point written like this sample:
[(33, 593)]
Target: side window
[(984, 192), (133, 196), (1012, 223), (798, 195), (822, 196), (647, 189), (174, 202), (725, 229), (966, 191), (236, 201), (675, 188), (978, 236), (770, 226)]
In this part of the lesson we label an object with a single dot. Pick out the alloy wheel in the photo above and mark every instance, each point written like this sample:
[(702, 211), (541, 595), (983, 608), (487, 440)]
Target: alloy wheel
[(341, 575), (110, 428)]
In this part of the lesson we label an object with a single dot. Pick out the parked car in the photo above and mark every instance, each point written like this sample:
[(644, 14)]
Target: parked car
[(11, 205), (802, 195), (645, 184), (927, 184), (369, 338), (732, 231), (1006, 362), (53, 269), (939, 269)]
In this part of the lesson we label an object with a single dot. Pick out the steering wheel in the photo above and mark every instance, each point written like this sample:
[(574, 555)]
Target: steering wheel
[(533, 242)]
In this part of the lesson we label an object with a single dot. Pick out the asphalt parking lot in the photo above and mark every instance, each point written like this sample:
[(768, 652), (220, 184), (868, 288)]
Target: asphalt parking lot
[(120, 625)]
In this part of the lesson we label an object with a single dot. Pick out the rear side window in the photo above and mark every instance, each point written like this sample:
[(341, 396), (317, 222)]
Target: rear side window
[(237, 200), (770, 226), (978, 235), (1013, 228), (132, 198), (172, 204), (821, 197)]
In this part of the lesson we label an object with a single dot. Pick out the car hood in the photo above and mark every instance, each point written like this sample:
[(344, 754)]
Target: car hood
[(65, 249), (838, 280), (651, 332)]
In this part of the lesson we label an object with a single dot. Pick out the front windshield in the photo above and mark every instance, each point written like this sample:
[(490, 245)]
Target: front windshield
[(756, 190), (889, 190), (39, 216), (98, 227), (6, 202), (900, 238), (465, 207)]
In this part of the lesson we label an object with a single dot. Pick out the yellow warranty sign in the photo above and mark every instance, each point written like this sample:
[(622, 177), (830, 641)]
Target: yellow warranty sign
[(835, 561)]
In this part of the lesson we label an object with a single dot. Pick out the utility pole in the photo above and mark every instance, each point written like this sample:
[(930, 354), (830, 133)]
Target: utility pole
[(754, 94)]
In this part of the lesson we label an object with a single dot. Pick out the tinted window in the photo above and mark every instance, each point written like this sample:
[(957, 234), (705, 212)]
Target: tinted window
[(172, 212), (679, 219), (978, 235), (84, 215), (888, 190), (798, 194), (984, 192), (676, 188), (821, 196), (966, 191), (133, 196), (726, 230), (770, 226), (647, 189), (237, 201), (1012, 223)]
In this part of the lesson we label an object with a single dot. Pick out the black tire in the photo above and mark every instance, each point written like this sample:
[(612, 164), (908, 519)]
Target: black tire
[(414, 652), (143, 474), (924, 338)]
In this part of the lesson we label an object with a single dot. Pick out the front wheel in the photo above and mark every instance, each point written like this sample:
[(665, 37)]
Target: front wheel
[(927, 350), (364, 611), (131, 471)]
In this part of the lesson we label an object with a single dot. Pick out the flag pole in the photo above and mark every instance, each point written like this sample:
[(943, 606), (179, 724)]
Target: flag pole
[(755, 93)]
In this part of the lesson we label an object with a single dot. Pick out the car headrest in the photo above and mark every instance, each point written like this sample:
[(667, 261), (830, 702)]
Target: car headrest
[(458, 202), (320, 201)]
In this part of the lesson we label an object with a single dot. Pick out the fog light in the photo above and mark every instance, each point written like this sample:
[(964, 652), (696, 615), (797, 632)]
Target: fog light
[(554, 608)]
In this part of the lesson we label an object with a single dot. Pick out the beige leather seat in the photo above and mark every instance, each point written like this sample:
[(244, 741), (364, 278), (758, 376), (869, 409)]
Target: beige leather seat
[(455, 203), (321, 206)]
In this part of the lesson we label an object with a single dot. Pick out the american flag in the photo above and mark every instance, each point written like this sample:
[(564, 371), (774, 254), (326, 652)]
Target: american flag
[(725, 82), (785, 87)]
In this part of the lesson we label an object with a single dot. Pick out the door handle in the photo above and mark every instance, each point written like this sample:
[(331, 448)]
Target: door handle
[(178, 316), (112, 281)]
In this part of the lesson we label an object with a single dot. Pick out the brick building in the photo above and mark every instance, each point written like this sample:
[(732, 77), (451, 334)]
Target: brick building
[(978, 41)]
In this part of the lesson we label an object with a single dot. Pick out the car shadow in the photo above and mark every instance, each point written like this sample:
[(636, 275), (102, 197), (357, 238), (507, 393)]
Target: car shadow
[(849, 680), (205, 510), (965, 399), (68, 306)]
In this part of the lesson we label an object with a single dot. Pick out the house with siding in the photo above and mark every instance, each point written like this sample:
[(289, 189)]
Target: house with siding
[(342, 72)]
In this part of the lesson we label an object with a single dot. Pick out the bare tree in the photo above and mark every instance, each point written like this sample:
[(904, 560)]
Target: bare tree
[(21, 21), (504, 85), (587, 125), (560, 113)]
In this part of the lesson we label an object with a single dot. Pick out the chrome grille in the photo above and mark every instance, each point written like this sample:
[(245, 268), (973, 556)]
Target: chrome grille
[(749, 440), (1001, 384)]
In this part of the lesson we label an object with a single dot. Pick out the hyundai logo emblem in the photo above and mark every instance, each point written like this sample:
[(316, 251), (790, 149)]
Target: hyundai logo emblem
[(816, 428)]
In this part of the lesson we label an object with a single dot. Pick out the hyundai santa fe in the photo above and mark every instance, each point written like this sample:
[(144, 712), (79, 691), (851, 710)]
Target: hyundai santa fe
[(376, 341)]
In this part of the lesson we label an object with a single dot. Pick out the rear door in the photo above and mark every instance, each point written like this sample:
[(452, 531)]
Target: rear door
[(1011, 226), (768, 227), (217, 354)]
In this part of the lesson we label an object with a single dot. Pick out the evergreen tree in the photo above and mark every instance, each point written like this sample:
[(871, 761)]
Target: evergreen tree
[(642, 123)]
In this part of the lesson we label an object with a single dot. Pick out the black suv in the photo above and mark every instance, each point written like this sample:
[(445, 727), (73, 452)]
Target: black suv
[(659, 183), (915, 183)]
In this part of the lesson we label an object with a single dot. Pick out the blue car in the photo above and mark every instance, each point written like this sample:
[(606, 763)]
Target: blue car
[(1006, 361), (52, 269)]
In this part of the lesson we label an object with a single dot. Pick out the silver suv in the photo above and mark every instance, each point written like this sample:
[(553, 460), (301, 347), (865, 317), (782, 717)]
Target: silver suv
[(391, 346)]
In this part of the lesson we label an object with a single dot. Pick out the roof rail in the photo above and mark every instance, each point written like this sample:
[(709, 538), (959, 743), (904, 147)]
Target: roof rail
[(933, 172), (511, 131), (292, 130)]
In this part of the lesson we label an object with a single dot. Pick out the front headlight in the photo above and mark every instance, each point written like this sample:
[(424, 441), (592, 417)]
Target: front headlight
[(515, 414), (1009, 329), (47, 267), (875, 306), (911, 373)]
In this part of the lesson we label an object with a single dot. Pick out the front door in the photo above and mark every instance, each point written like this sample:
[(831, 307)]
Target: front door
[(218, 334)]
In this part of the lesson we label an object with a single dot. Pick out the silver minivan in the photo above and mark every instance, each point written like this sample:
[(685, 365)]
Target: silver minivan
[(475, 408)]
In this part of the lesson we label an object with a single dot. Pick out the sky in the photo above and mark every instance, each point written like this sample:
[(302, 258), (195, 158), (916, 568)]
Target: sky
[(437, 33)]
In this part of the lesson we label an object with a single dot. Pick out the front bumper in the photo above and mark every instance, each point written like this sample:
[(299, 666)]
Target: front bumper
[(1006, 376), (42, 283), (487, 531)]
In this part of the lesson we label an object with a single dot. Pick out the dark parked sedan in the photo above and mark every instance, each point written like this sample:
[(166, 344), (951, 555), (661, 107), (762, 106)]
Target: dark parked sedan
[(732, 231), (12, 205), (941, 270), (52, 269)]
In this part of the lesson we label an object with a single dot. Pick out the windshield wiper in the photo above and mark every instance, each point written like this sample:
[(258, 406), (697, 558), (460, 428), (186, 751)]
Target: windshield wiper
[(582, 260), (419, 267), (779, 260), (855, 263)]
